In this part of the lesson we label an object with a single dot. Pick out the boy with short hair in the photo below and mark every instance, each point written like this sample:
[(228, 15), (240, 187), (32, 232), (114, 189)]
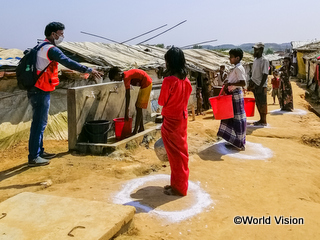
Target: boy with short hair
[(135, 77), (233, 130)]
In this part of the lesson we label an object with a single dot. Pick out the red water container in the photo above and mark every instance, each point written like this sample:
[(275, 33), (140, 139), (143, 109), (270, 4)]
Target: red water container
[(122, 128), (249, 106), (222, 106)]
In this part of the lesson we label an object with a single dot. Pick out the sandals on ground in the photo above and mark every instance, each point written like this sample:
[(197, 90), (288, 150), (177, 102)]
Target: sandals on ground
[(231, 147), (168, 190), (259, 123)]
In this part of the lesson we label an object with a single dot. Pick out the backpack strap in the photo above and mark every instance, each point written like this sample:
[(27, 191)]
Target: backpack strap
[(38, 48), (41, 45), (44, 70)]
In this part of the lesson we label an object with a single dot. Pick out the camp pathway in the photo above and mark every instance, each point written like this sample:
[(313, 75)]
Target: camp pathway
[(284, 185)]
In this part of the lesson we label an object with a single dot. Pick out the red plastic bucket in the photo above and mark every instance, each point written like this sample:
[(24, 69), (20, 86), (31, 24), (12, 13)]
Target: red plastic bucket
[(222, 106), (122, 128), (249, 106)]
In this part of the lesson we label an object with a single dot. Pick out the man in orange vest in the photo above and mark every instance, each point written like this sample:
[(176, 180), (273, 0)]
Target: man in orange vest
[(48, 58)]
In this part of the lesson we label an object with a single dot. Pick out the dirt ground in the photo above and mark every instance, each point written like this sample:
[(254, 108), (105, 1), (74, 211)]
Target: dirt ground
[(285, 183)]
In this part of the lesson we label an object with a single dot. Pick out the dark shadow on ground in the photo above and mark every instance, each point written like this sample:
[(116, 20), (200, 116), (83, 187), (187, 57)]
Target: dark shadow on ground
[(62, 154), (13, 171), (277, 112), (149, 198), (209, 117), (37, 184), (213, 153), (251, 128)]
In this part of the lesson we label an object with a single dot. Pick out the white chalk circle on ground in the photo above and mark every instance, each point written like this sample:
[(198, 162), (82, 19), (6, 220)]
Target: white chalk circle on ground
[(203, 199), (251, 125), (295, 112), (254, 151)]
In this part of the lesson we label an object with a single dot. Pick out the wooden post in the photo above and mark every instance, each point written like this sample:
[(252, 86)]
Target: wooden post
[(72, 126), (193, 113)]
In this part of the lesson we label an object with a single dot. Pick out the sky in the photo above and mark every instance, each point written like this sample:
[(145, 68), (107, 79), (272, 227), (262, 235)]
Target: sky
[(227, 21)]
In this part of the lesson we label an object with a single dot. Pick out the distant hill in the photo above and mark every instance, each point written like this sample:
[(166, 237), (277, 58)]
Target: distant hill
[(248, 46)]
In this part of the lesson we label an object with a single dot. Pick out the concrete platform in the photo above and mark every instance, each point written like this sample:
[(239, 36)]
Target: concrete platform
[(37, 216), (98, 148)]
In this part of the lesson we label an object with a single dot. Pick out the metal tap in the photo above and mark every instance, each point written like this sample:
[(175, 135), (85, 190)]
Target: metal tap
[(114, 90)]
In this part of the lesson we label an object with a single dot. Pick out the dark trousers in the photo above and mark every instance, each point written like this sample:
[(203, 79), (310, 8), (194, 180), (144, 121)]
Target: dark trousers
[(40, 102), (261, 100)]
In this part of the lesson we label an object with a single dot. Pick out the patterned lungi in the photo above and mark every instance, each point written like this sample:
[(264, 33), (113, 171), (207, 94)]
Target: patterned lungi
[(233, 130)]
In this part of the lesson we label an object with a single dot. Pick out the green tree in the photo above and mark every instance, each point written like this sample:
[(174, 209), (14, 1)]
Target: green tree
[(160, 45), (269, 51), (197, 47)]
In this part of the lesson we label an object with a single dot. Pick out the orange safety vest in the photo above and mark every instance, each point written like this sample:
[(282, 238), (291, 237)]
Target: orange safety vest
[(49, 79)]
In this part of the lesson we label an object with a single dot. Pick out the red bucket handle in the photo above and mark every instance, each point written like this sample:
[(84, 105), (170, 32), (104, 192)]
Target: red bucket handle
[(221, 90)]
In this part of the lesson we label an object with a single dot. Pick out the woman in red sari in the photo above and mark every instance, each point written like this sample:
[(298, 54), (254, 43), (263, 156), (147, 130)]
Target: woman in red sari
[(175, 92)]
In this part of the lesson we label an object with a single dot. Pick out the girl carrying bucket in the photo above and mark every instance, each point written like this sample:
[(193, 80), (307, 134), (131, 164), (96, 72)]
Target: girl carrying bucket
[(175, 92), (233, 130)]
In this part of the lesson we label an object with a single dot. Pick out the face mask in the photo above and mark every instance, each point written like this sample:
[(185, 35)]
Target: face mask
[(57, 42)]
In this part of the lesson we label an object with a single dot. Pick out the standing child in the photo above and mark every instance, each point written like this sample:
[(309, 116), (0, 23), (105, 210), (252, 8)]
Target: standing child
[(222, 75), (275, 86), (174, 96), (285, 89), (199, 100), (233, 130), (134, 77)]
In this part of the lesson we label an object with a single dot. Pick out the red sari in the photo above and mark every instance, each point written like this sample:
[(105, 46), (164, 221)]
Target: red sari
[(174, 98)]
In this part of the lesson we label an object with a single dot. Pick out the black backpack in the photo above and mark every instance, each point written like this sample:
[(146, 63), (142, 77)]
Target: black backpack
[(26, 70)]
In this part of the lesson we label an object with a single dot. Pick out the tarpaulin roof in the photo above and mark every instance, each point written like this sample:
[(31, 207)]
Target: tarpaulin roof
[(273, 57), (10, 53), (10, 57), (144, 56), (135, 56), (314, 46), (12, 62), (298, 44), (312, 56)]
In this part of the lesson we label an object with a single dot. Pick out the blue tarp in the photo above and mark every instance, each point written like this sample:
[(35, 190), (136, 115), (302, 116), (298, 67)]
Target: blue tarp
[(12, 62)]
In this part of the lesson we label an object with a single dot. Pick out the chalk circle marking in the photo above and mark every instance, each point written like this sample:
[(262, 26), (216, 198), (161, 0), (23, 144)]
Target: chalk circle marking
[(294, 112), (202, 201), (250, 124), (254, 151)]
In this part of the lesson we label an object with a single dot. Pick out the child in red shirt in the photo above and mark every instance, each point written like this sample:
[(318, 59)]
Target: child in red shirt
[(275, 86), (134, 77), (174, 96)]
